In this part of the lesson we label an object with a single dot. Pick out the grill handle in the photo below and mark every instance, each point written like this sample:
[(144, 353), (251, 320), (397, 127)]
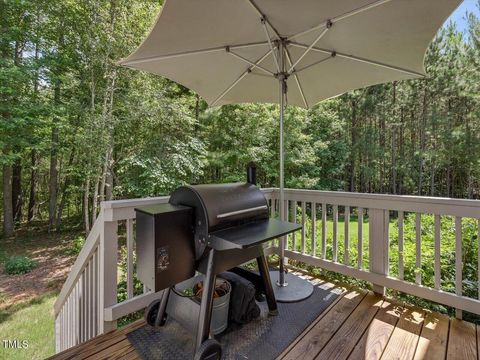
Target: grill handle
[(243, 211)]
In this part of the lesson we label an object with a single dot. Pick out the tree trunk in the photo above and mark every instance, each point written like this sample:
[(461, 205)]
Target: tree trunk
[(16, 180), (86, 195), (53, 180), (7, 201), (33, 181), (33, 154), (17, 190), (422, 140), (95, 200), (401, 151), (394, 144), (64, 191), (353, 148)]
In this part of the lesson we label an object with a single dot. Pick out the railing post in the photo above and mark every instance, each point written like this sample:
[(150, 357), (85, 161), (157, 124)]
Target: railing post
[(378, 244), (108, 272)]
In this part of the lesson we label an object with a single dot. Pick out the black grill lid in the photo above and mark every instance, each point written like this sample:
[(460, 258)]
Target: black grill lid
[(230, 216)]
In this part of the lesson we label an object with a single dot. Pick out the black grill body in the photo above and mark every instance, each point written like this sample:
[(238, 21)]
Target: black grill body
[(210, 229)]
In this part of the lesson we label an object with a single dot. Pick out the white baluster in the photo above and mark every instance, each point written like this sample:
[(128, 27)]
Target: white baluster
[(438, 270), (346, 218), (418, 241), (335, 223), (314, 223), (400, 245), (458, 262)]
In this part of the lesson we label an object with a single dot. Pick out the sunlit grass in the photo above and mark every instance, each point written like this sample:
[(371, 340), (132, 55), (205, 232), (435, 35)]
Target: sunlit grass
[(32, 321)]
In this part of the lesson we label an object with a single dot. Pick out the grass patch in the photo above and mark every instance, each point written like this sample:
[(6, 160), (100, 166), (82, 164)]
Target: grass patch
[(32, 321)]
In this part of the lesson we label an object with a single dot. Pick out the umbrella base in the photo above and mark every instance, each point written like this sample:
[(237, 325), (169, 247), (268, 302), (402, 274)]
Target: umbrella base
[(295, 288)]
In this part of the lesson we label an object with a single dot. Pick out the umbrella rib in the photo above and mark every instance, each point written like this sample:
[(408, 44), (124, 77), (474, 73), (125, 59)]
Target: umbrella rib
[(341, 17), (313, 64), (297, 80), (262, 15), (245, 73), (267, 35), (193, 52), (292, 66), (249, 62), (360, 59)]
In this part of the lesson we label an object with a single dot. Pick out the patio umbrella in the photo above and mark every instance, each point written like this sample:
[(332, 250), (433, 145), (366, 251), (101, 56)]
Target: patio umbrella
[(239, 51)]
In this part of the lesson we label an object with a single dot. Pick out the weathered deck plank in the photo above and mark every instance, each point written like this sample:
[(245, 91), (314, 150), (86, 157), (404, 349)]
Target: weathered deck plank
[(404, 339), (314, 341), (462, 342), (97, 342), (432, 344), (345, 339), (375, 338)]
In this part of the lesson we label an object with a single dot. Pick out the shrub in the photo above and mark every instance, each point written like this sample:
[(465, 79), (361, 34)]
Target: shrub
[(19, 265), (76, 245)]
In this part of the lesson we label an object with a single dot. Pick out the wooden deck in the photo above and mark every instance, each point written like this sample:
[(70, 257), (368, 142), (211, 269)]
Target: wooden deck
[(358, 325)]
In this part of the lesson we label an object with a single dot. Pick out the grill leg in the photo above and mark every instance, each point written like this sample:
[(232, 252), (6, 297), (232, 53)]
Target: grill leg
[(205, 315), (161, 309), (265, 274)]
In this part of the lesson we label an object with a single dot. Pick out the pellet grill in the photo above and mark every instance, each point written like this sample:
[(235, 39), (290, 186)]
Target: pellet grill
[(209, 229)]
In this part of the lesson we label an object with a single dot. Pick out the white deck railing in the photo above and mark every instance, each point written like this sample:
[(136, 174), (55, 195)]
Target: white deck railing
[(87, 305)]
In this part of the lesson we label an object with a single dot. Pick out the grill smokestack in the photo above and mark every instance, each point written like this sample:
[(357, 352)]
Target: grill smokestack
[(252, 173)]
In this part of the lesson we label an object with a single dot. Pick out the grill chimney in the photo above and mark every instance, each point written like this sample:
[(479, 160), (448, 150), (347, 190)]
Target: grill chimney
[(252, 173)]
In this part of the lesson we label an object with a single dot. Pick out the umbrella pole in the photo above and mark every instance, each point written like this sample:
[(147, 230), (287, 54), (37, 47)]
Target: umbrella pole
[(296, 288), (283, 88)]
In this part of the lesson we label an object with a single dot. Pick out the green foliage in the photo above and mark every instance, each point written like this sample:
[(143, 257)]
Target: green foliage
[(125, 134), (447, 253), (76, 245), (17, 265), (122, 287)]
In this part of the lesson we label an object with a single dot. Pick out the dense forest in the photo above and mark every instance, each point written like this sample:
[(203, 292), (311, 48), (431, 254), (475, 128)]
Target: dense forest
[(77, 129)]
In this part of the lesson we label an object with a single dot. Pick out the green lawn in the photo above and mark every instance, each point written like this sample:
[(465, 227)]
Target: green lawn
[(31, 321)]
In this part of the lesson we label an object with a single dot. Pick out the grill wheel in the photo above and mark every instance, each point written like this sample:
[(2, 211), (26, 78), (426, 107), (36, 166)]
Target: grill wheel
[(209, 350), (151, 314)]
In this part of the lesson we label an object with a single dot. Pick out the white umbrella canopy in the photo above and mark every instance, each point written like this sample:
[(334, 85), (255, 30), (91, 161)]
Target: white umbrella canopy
[(212, 46), (239, 51)]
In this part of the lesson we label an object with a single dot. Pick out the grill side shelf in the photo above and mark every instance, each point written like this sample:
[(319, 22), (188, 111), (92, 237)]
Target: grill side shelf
[(251, 234)]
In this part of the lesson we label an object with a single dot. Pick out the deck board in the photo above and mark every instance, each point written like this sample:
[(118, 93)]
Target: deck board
[(432, 344), (462, 342), (314, 341), (375, 338), (357, 325), (404, 339), (344, 341)]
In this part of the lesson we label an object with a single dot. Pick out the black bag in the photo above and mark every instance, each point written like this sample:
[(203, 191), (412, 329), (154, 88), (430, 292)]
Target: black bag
[(243, 307)]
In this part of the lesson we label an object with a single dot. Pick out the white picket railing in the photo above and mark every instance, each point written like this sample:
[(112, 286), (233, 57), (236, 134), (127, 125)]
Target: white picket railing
[(379, 207), (87, 304)]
